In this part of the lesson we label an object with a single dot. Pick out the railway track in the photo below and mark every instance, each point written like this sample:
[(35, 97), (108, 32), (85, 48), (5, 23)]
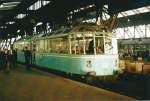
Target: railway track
[(130, 85), (136, 86)]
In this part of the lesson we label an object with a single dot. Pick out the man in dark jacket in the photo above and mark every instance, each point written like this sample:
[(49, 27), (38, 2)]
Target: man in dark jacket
[(14, 57), (27, 54), (6, 59), (1, 59), (91, 47)]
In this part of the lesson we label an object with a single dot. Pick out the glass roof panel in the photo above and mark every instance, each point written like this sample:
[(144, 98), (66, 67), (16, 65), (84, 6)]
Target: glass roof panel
[(20, 16), (9, 5), (37, 5), (134, 11)]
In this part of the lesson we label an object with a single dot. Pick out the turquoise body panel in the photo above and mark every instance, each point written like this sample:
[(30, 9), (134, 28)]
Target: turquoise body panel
[(20, 56), (76, 64), (58, 62)]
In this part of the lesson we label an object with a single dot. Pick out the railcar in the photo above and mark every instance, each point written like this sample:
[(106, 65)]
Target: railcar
[(82, 50), (134, 48), (134, 55)]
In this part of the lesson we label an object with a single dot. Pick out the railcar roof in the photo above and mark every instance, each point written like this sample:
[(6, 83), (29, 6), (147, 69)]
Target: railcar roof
[(64, 31)]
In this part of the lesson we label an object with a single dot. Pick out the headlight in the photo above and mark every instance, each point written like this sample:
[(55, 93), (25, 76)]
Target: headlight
[(89, 64)]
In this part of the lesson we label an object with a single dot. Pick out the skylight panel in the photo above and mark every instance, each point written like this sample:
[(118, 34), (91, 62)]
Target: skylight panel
[(128, 13), (120, 15), (143, 10), (20, 16), (81, 9), (37, 5), (45, 2), (148, 30), (9, 5), (11, 22), (134, 11)]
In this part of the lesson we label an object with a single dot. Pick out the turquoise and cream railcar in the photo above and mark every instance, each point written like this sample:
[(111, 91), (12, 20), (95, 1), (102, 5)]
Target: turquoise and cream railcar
[(76, 52)]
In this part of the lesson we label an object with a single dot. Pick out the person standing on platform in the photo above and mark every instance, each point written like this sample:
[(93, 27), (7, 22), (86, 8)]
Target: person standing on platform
[(9, 60), (27, 54), (5, 59), (149, 55), (91, 47), (1, 59), (14, 58)]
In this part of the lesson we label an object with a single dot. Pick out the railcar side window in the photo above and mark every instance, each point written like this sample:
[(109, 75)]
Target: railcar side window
[(99, 45), (76, 43), (40, 46), (59, 45), (86, 44), (108, 46), (64, 47), (55, 46), (49, 45), (90, 46), (45, 45), (20, 45)]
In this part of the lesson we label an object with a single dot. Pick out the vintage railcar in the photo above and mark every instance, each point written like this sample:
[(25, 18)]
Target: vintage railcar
[(83, 50)]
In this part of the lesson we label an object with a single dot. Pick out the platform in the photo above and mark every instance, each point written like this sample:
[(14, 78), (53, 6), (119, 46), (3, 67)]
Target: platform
[(35, 85)]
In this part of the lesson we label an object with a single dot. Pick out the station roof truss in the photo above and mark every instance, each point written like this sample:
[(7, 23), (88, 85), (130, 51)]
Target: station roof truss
[(24, 14)]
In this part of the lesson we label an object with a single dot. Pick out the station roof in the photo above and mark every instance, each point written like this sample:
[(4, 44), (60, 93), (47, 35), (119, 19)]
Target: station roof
[(19, 14)]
